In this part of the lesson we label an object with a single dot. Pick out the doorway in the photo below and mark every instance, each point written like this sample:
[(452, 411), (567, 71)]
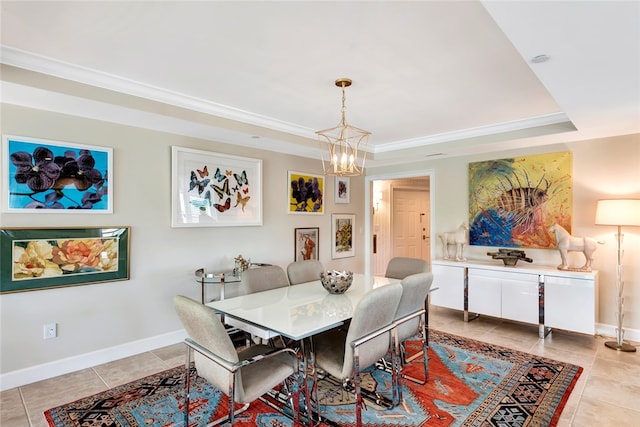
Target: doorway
[(400, 224), (410, 231)]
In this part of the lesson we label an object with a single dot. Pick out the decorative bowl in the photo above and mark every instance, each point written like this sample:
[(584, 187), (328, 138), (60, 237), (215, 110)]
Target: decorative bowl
[(336, 282)]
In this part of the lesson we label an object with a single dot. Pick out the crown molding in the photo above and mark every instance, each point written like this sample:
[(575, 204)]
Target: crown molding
[(462, 134), (60, 69), (53, 67), (40, 99)]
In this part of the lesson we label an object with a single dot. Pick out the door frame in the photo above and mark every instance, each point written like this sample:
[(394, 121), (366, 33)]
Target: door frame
[(368, 249)]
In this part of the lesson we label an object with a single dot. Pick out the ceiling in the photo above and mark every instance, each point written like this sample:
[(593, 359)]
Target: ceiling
[(430, 79)]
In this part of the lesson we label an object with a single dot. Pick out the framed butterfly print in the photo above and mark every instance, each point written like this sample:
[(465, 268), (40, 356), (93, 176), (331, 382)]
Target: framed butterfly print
[(214, 190)]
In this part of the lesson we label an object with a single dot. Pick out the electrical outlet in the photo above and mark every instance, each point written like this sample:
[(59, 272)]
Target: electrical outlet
[(50, 330)]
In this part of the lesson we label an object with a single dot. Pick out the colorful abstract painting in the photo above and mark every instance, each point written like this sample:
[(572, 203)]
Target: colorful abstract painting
[(342, 245), (46, 176), (306, 243), (514, 201), (306, 193)]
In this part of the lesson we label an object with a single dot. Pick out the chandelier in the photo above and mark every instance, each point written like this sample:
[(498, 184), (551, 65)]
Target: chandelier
[(343, 142)]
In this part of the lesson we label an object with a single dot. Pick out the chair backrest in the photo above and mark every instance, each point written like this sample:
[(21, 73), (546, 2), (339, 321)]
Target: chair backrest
[(260, 279), (205, 328), (401, 267), (304, 271), (374, 311), (415, 289)]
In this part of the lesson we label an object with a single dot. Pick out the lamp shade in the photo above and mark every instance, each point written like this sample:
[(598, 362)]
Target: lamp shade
[(618, 212)]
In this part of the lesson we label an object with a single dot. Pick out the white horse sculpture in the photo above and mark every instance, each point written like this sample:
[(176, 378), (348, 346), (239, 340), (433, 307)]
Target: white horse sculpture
[(458, 238), (568, 243)]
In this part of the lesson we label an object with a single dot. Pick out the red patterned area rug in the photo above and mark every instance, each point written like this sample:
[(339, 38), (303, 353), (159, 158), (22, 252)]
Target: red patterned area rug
[(471, 383)]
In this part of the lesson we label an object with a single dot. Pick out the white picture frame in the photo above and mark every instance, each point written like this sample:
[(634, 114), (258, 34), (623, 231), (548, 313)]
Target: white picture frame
[(342, 235), (214, 190), (305, 193), (342, 189)]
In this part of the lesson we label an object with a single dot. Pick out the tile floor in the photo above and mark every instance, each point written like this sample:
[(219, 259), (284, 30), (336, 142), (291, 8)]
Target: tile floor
[(607, 393)]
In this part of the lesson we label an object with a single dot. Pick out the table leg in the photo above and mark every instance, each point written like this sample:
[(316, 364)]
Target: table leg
[(222, 294), (310, 376)]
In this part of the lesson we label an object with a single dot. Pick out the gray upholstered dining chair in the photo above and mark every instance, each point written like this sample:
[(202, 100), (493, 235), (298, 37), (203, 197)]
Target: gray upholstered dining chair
[(344, 354), (304, 271), (241, 375), (260, 279), (401, 267), (414, 309)]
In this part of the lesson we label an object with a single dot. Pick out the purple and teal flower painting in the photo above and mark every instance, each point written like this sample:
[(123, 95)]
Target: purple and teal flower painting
[(305, 193), (48, 176)]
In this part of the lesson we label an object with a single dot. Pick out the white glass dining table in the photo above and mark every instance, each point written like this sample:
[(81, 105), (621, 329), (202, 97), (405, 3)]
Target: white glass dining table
[(297, 311)]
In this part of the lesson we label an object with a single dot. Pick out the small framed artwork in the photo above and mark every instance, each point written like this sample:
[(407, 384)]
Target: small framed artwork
[(306, 193), (214, 190), (306, 243), (342, 235), (342, 189), (42, 258), (47, 176)]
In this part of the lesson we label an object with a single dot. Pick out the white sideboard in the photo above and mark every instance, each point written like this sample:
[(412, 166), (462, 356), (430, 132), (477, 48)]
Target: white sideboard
[(526, 293)]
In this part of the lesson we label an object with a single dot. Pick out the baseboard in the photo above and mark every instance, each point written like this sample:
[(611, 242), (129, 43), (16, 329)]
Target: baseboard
[(75, 363), (610, 332)]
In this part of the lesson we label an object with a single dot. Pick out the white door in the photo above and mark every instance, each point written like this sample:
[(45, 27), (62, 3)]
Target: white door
[(410, 224)]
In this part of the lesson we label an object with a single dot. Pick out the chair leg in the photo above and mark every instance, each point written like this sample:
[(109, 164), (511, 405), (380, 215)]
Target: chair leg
[(425, 364), (396, 369), (187, 382), (358, 395), (232, 411), (357, 389), (232, 384), (294, 396), (424, 326)]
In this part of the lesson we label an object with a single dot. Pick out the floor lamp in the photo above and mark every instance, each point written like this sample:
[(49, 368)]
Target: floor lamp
[(619, 212)]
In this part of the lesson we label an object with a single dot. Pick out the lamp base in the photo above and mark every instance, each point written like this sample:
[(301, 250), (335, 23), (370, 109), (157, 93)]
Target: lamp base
[(620, 347)]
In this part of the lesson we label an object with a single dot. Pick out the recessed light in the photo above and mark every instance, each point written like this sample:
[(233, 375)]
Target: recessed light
[(539, 59)]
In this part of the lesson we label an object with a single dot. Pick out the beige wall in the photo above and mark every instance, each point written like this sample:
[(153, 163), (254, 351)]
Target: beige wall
[(105, 321), (95, 317), (602, 168)]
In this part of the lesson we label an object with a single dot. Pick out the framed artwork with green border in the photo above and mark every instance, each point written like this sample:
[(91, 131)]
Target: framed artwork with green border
[(42, 258)]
